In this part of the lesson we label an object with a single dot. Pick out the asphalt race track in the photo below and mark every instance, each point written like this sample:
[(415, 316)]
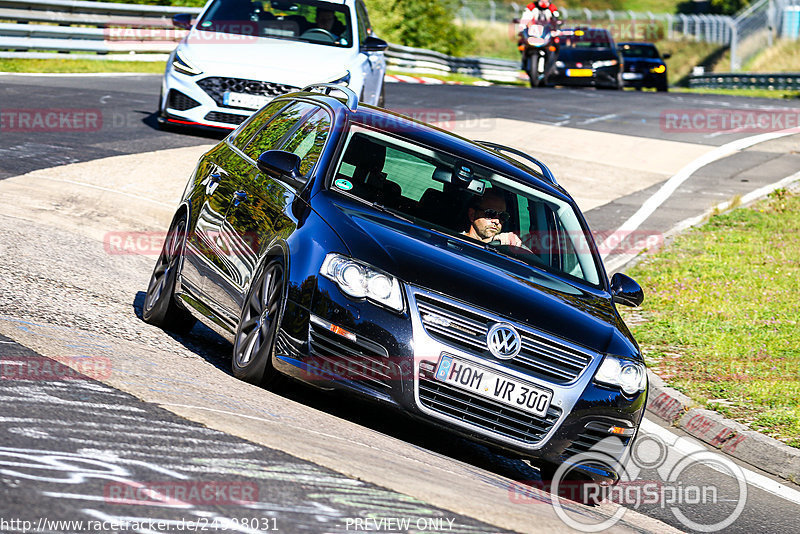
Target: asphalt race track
[(153, 427)]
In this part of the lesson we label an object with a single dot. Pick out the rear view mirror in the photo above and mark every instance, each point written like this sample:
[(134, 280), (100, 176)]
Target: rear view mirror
[(182, 20), (625, 290), (282, 165), (666, 55)]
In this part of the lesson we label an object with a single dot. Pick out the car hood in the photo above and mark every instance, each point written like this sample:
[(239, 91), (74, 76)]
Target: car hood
[(448, 265), (272, 60)]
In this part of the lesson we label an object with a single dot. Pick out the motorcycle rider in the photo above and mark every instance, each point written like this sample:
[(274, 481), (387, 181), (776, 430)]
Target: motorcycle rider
[(540, 11)]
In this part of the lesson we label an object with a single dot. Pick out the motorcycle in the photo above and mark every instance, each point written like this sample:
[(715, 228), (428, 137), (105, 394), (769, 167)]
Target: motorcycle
[(538, 49)]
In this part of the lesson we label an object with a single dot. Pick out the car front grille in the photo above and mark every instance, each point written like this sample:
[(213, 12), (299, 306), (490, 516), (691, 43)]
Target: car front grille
[(227, 118), (541, 356), (484, 413), (335, 356), (591, 438), (179, 101), (216, 87)]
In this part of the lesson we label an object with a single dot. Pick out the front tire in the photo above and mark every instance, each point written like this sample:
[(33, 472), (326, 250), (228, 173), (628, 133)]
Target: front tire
[(254, 343), (160, 307)]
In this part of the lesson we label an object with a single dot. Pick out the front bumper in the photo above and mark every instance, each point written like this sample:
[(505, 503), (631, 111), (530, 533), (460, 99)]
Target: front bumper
[(338, 343), (199, 100), (600, 77)]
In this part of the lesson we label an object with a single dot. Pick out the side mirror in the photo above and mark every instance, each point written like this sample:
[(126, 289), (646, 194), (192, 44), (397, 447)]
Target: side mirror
[(666, 55), (373, 44), (282, 165), (625, 290), (182, 20)]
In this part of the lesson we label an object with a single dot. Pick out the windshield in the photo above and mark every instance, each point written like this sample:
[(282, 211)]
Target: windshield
[(441, 192), (303, 20), (588, 38), (643, 51)]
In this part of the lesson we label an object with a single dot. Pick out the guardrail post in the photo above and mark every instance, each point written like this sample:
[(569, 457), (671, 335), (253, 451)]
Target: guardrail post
[(588, 14), (734, 46), (492, 11), (610, 15), (670, 20)]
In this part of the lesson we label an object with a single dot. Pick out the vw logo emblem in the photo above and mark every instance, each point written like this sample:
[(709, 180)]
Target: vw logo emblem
[(503, 341)]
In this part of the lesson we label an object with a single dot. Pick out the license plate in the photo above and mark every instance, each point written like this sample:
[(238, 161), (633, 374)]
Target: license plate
[(631, 76), (501, 388), (579, 73), (243, 100)]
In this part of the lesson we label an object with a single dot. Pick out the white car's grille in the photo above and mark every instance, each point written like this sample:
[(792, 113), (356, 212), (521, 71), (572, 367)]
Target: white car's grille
[(216, 87)]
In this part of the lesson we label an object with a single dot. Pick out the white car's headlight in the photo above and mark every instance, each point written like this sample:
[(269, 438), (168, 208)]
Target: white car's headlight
[(560, 64), (628, 375), (606, 63), (182, 64), (360, 280)]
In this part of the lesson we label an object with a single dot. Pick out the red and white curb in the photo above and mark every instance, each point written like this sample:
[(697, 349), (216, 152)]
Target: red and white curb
[(406, 78)]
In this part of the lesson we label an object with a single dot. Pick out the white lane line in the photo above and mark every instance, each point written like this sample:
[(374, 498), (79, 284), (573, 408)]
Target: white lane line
[(686, 447), (620, 260), (672, 184), (598, 119)]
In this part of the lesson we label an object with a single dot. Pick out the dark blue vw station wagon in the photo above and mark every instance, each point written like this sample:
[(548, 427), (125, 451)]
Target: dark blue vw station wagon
[(356, 249)]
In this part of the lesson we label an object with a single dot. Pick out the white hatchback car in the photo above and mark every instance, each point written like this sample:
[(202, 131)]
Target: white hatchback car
[(241, 53)]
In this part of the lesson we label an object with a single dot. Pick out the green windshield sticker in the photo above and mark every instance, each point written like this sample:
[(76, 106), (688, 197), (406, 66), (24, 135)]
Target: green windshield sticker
[(343, 184), (206, 23)]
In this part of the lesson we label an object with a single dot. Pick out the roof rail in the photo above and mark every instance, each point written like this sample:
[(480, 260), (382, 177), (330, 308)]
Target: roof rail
[(352, 98), (502, 148)]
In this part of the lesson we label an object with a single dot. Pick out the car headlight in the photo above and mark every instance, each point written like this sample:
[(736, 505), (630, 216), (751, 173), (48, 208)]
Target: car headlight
[(560, 64), (628, 375), (183, 65), (659, 70), (605, 63), (360, 280)]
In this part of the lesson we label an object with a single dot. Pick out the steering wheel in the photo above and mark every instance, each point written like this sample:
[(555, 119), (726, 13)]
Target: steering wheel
[(319, 32)]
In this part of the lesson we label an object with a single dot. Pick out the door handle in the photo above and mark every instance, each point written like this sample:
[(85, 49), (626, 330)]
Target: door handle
[(239, 197), (212, 182)]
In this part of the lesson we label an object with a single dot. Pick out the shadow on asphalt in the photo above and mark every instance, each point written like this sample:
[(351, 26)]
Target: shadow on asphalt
[(389, 421)]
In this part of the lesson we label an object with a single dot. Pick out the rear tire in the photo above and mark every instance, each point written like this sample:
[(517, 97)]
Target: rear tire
[(160, 307), (254, 343)]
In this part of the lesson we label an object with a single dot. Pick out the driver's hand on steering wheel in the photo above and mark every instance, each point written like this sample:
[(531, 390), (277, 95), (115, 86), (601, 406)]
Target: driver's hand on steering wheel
[(509, 238)]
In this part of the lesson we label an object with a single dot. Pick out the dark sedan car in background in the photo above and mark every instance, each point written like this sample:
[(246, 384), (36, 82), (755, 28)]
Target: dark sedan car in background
[(644, 66), (332, 242), (586, 57)]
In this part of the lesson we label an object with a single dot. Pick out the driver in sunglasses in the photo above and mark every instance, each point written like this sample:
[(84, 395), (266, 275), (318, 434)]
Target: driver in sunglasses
[(487, 215)]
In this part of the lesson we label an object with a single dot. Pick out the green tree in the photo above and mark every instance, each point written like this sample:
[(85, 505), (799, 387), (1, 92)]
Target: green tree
[(420, 23), (728, 7)]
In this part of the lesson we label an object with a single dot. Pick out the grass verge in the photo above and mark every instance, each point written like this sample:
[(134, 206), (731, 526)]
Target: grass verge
[(80, 65), (720, 319), (757, 93)]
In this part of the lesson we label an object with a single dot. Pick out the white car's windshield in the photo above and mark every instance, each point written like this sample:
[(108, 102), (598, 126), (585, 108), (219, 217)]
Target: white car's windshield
[(301, 20), (465, 200)]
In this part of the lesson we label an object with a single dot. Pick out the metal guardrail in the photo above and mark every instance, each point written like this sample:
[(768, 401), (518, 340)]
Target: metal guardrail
[(745, 80), (427, 61)]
